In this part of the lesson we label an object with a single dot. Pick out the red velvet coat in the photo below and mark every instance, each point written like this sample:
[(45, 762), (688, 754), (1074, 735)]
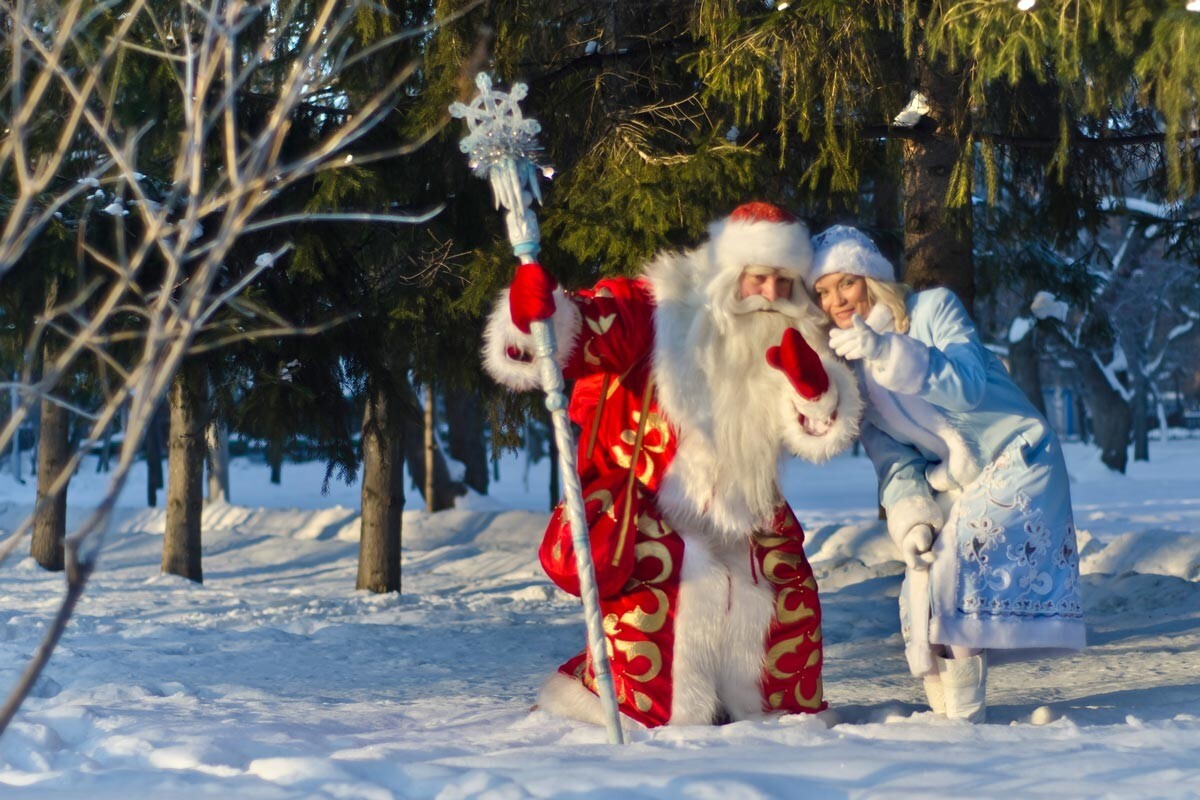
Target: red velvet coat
[(638, 555)]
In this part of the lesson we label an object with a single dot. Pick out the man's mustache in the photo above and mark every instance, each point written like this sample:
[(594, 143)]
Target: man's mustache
[(757, 302)]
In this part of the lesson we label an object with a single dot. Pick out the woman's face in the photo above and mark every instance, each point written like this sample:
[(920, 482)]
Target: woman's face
[(842, 296)]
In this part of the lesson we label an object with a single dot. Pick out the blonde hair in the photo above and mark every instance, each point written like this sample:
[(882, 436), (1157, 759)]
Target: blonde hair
[(892, 295)]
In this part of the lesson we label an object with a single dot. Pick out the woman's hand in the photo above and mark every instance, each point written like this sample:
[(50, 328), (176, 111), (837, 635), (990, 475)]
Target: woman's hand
[(858, 341), (916, 548)]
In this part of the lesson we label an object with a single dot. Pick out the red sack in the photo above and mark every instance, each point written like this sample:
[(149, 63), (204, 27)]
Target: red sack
[(611, 509)]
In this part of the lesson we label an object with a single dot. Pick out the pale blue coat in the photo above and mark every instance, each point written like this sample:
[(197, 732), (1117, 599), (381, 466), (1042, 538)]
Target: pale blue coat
[(958, 446)]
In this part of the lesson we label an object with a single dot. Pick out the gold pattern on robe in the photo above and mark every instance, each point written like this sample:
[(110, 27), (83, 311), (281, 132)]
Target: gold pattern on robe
[(641, 701), (647, 650), (779, 558), (607, 503), (788, 615), (600, 324), (610, 624), (659, 552), (653, 528), (588, 356), (767, 541), (650, 444), (640, 620), (784, 648), (810, 702)]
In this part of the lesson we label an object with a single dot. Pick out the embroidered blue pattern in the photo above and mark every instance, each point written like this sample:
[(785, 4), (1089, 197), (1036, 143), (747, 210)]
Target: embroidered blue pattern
[(1012, 561)]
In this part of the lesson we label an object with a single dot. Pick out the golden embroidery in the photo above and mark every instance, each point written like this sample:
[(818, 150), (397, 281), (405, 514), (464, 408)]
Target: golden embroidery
[(641, 701), (600, 325), (588, 356), (646, 650), (784, 648), (775, 700), (610, 624), (640, 620), (651, 527), (813, 701), (629, 493), (659, 552), (607, 502), (779, 558), (788, 615)]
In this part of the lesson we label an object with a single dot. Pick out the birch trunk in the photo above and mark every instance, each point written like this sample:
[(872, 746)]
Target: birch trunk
[(430, 449), (217, 436)]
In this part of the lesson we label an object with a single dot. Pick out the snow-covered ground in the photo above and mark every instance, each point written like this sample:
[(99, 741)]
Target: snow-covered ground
[(276, 679)]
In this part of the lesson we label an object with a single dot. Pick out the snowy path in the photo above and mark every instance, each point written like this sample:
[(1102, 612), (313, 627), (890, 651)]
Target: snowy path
[(275, 679)]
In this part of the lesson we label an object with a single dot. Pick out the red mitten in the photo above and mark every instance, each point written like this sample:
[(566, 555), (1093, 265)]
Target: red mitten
[(530, 298), (796, 359)]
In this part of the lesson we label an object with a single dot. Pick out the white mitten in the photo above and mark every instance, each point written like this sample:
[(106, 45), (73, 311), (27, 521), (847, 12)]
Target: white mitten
[(916, 548), (858, 341)]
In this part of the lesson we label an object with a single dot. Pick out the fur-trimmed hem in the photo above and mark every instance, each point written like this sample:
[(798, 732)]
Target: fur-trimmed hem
[(500, 335), (565, 696), (837, 433), (912, 511), (905, 365)]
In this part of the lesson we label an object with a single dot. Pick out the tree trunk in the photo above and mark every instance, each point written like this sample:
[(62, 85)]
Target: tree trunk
[(444, 490), (1111, 416), (154, 476), (275, 460), (1140, 410), (937, 238), (555, 477), (50, 522), (217, 440), (1024, 363), (1081, 414), (14, 403), (430, 440), (185, 473), (382, 494), (464, 421)]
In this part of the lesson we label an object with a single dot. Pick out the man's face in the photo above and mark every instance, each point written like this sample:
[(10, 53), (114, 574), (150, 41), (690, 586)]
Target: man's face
[(842, 296), (766, 281)]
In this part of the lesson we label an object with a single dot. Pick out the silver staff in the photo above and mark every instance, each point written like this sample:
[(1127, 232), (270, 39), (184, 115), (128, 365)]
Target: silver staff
[(501, 146)]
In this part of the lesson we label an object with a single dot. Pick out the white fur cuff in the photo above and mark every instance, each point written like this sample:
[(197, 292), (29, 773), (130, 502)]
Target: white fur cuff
[(821, 436), (904, 366), (500, 335), (912, 511)]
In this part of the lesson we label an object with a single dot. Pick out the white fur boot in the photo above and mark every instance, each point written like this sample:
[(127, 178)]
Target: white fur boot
[(935, 694), (964, 686)]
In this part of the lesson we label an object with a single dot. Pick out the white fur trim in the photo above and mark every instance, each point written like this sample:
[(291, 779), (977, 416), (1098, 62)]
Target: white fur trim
[(567, 697), (845, 250), (909, 512), (904, 365), (721, 623), (500, 334), (821, 438), (736, 244)]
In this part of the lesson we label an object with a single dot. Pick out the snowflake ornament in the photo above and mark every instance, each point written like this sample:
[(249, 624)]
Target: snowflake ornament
[(502, 144)]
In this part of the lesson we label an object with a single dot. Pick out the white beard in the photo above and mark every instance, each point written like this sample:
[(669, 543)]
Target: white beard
[(724, 398)]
